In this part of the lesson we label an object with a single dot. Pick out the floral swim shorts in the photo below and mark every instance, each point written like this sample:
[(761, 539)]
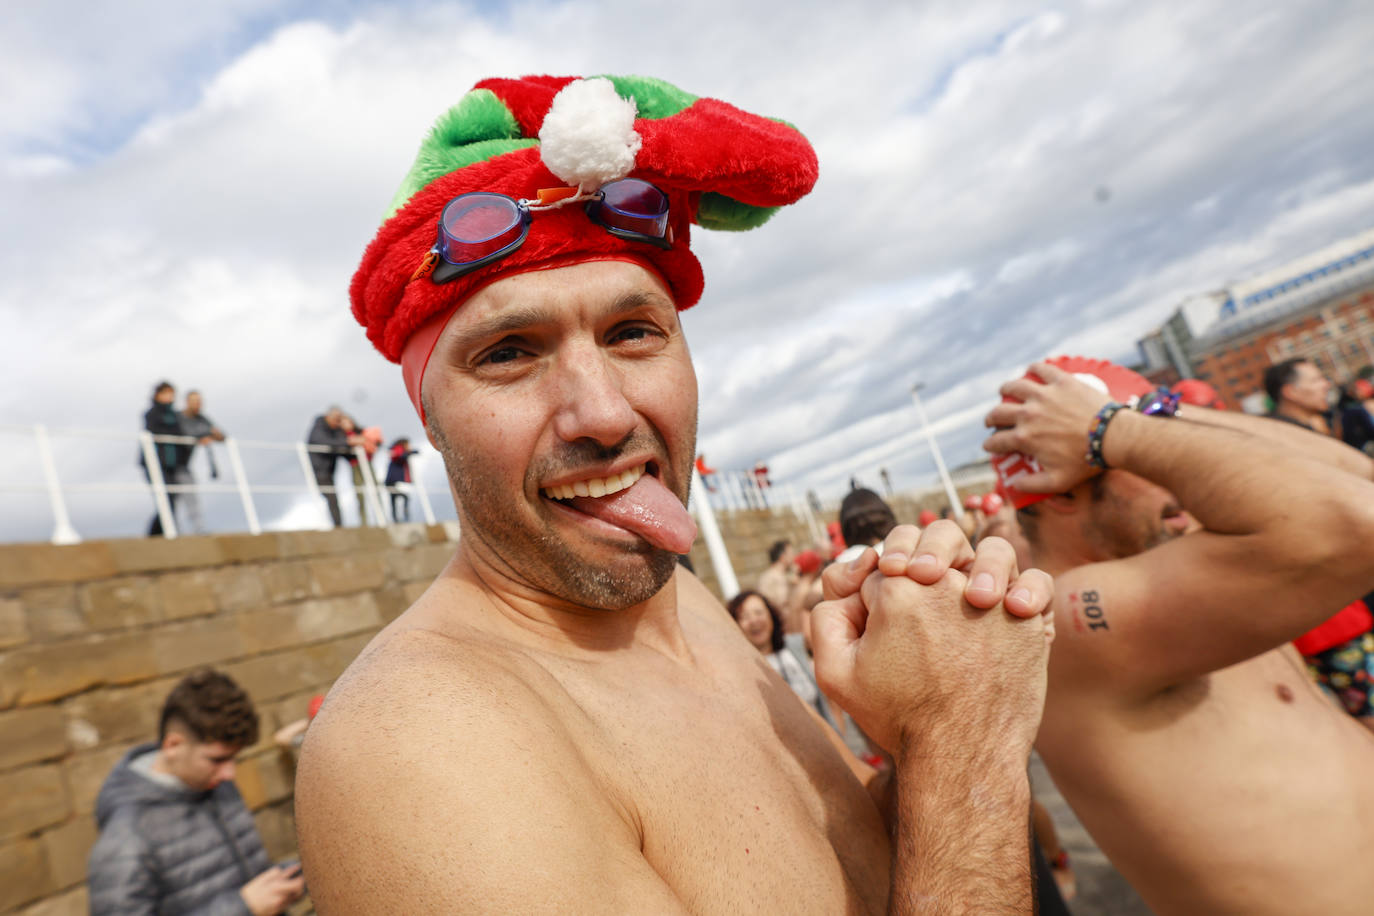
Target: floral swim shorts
[(1347, 671)]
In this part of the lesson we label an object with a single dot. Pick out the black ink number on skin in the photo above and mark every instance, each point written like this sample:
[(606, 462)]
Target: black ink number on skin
[(1093, 611)]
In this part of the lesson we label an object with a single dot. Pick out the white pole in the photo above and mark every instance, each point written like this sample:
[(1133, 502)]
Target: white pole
[(62, 531), (370, 486), (715, 544), (241, 481), (164, 505), (313, 485), (419, 490), (953, 494)]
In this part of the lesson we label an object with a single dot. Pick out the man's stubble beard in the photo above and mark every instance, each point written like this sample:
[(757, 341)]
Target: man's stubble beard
[(542, 560), (1121, 533)]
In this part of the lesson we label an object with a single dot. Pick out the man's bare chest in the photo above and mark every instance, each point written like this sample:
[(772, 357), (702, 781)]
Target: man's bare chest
[(733, 788)]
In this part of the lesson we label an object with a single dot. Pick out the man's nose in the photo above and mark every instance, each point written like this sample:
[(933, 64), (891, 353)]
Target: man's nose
[(591, 398)]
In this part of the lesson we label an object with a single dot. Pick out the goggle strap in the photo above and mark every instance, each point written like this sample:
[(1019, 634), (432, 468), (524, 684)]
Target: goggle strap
[(553, 198), (427, 265)]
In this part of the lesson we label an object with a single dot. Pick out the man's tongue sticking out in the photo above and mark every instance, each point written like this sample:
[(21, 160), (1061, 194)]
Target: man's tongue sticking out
[(647, 508)]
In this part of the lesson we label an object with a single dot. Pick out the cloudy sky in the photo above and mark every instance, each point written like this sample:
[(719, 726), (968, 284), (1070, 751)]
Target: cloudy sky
[(187, 189)]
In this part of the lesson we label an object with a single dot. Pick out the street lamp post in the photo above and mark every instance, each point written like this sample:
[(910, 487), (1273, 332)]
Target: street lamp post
[(953, 495)]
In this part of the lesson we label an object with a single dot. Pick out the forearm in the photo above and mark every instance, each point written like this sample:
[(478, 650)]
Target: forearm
[(1310, 443), (1235, 483), (961, 842)]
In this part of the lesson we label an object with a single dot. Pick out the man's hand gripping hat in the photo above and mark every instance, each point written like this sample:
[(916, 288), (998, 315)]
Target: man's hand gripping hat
[(1117, 382)]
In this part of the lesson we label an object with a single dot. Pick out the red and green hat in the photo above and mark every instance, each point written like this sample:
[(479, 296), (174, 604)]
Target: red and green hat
[(721, 168)]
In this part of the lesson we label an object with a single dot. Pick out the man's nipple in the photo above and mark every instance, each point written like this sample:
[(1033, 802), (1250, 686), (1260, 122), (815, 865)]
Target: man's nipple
[(1285, 692)]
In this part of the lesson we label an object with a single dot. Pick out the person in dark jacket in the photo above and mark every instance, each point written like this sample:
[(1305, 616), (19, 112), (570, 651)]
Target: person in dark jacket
[(334, 441), (175, 835), (161, 419), (398, 472)]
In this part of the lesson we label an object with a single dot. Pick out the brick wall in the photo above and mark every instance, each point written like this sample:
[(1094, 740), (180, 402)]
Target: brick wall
[(93, 636)]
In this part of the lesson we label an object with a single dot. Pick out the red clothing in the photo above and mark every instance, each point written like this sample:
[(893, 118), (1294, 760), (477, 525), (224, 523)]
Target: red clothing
[(1347, 623)]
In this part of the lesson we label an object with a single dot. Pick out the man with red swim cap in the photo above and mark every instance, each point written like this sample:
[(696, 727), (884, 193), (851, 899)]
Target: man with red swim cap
[(566, 721), (1179, 723)]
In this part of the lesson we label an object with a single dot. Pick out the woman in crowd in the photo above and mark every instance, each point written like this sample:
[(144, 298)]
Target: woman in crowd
[(762, 626)]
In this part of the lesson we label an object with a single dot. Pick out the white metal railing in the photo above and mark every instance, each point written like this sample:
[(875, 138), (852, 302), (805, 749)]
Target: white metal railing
[(722, 491), (57, 491)]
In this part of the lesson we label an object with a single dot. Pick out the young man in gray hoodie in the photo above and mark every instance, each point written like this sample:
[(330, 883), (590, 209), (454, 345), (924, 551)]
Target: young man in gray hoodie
[(175, 835)]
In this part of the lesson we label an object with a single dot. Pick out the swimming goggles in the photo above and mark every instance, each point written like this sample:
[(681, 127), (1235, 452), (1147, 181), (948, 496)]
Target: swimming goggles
[(480, 227)]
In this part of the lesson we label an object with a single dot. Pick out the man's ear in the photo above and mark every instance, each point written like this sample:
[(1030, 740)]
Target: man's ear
[(1061, 504), (175, 739)]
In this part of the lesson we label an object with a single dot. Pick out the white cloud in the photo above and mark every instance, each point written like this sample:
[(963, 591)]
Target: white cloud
[(189, 189)]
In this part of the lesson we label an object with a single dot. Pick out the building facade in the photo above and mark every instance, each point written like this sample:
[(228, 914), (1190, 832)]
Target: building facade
[(1318, 307)]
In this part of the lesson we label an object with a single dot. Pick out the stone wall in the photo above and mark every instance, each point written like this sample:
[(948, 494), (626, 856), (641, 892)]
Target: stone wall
[(93, 636), (749, 533)]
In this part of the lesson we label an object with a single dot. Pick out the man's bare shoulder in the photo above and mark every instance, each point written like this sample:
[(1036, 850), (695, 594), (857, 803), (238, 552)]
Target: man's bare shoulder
[(435, 742), (428, 679)]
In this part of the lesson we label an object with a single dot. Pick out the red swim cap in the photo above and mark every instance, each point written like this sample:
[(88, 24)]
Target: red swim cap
[(1199, 393), (808, 561)]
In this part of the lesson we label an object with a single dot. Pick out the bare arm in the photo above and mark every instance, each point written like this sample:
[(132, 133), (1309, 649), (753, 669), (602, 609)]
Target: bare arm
[(959, 795), (1326, 449), (951, 857), (1285, 545)]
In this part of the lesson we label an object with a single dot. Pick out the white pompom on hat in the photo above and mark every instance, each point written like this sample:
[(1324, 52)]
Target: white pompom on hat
[(588, 137)]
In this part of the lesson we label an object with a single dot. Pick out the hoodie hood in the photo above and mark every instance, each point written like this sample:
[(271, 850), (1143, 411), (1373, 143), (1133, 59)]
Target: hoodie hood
[(126, 787)]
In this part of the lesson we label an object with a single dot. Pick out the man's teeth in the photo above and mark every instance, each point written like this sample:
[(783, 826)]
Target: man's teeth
[(596, 486)]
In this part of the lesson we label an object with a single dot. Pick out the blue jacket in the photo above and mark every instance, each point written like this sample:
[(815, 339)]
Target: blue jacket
[(171, 851)]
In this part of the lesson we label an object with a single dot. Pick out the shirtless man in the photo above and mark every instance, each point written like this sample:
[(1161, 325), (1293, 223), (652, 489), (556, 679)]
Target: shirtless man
[(1179, 723), (566, 721)]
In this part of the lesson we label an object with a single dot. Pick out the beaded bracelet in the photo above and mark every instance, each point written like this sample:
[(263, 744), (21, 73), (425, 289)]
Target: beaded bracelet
[(1098, 431)]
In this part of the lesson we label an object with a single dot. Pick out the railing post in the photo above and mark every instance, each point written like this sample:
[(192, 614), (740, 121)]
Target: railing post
[(311, 484), (370, 486), (154, 468), (62, 530), (715, 544), (241, 481), (419, 490)]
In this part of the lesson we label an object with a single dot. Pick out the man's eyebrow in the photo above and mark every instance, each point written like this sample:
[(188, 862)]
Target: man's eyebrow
[(525, 316), (516, 319), (633, 299)]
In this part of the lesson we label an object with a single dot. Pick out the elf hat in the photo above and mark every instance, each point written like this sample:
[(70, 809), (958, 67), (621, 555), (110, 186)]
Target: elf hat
[(1117, 382), (720, 167)]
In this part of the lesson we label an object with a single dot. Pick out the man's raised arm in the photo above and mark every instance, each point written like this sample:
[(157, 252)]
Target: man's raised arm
[(1308, 442), (1285, 543), (901, 658)]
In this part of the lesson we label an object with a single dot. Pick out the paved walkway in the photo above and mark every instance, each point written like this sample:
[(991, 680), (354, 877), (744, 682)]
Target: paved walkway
[(1101, 889)]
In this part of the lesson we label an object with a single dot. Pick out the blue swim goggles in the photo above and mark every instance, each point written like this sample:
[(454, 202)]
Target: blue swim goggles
[(481, 227)]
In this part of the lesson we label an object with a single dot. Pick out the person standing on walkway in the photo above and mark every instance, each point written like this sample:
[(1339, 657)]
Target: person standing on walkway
[(160, 419), (204, 431), (331, 441)]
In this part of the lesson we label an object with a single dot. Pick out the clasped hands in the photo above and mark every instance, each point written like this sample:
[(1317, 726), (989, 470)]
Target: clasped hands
[(934, 643)]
